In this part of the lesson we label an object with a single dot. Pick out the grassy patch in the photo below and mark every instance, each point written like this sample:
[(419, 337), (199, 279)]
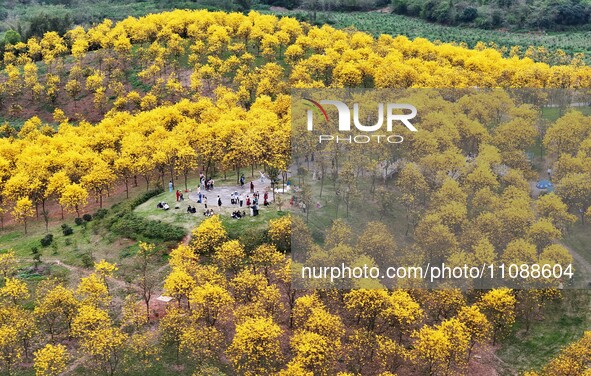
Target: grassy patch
[(179, 217), (77, 250), (129, 251), (20, 244), (89, 242), (238, 228), (579, 238), (135, 82), (553, 113), (16, 123), (362, 210), (563, 322), (9, 237)]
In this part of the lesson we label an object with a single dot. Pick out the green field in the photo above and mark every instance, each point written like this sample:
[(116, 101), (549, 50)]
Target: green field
[(561, 323), (89, 12), (376, 23), (383, 23)]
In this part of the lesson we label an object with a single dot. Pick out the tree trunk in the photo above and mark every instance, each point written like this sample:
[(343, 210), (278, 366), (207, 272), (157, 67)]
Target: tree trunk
[(172, 175), (147, 298), (45, 216), (347, 206), (207, 166)]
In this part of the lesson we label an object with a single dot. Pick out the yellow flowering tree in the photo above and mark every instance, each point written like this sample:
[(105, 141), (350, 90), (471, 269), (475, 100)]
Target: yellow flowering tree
[(255, 349), (73, 197), (230, 256), (280, 232), (51, 360), (105, 270), (499, 307), (210, 301), (179, 285), (23, 210), (14, 290), (208, 236)]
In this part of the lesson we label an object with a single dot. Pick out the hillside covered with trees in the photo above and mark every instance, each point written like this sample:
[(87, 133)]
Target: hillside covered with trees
[(120, 111), (538, 15)]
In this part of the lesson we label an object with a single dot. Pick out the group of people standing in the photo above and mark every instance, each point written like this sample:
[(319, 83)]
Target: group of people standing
[(205, 183), (238, 199), (250, 200), (242, 181), (202, 199)]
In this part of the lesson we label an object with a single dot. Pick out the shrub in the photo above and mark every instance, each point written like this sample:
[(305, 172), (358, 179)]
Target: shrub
[(128, 224), (252, 238), (67, 230), (42, 23), (496, 19), (11, 37), (78, 221), (87, 217), (100, 214), (469, 14), (87, 260), (46, 240), (134, 227), (145, 197), (36, 256)]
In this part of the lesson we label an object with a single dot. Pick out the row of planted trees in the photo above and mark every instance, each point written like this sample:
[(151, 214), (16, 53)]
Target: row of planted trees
[(223, 50), (40, 164), (138, 64), (224, 46)]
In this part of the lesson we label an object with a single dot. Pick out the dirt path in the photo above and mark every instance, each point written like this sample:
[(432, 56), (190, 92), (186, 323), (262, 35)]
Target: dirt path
[(584, 265), (83, 272)]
